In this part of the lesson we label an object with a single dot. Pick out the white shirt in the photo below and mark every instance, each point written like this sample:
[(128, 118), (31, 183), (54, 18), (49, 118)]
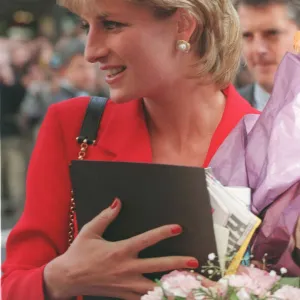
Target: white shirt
[(261, 97)]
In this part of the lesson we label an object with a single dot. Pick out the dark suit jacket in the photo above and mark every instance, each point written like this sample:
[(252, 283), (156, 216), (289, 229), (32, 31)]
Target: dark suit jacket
[(247, 92), (42, 232)]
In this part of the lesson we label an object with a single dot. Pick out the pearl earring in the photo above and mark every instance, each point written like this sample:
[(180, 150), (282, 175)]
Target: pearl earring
[(183, 46)]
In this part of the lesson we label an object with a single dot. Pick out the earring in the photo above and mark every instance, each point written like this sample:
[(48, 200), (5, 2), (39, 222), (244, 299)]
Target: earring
[(183, 46)]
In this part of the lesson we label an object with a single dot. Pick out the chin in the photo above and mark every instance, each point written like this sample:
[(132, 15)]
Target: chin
[(121, 96)]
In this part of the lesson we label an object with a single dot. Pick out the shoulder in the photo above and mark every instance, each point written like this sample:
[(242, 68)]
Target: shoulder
[(70, 113), (73, 110)]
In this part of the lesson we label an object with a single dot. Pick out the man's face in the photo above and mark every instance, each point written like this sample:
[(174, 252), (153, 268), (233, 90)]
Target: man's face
[(268, 34)]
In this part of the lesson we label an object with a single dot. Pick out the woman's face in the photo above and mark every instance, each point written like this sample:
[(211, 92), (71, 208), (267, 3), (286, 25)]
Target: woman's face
[(136, 50)]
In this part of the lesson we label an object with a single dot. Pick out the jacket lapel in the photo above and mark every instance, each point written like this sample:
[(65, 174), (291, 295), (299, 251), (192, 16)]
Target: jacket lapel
[(123, 134)]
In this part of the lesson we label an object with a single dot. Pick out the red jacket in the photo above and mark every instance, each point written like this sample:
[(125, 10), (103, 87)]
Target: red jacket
[(41, 234)]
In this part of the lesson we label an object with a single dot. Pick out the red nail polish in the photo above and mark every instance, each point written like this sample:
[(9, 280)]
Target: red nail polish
[(176, 229), (114, 204), (193, 263)]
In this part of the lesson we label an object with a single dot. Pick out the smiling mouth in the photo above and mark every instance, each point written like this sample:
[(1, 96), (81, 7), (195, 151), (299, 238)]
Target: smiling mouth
[(115, 71)]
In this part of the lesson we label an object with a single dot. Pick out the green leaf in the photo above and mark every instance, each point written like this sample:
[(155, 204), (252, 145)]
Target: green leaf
[(293, 281), (179, 298), (233, 297)]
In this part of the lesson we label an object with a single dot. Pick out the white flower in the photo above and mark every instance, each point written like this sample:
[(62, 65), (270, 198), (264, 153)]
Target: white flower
[(156, 294), (273, 273), (211, 256), (283, 271), (243, 295), (210, 272)]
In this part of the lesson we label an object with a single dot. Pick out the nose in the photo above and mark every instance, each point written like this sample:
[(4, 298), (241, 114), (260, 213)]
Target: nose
[(260, 46), (96, 49)]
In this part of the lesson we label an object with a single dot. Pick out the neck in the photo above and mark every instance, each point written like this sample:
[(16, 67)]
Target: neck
[(266, 88), (180, 117)]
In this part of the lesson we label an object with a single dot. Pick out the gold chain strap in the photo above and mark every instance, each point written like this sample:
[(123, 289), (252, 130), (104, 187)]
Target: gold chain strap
[(82, 153)]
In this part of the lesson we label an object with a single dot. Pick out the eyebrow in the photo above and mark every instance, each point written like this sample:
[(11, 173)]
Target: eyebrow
[(103, 16)]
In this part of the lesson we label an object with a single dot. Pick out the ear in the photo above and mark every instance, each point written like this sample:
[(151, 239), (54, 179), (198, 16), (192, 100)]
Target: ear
[(186, 25)]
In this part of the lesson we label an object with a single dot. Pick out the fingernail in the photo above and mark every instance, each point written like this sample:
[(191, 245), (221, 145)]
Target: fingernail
[(114, 204), (193, 263), (176, 229)]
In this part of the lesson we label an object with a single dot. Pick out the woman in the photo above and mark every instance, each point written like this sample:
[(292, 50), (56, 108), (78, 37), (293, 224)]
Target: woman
[(178, 62)]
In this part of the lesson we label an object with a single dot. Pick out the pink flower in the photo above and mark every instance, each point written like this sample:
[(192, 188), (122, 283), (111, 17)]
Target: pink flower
[(179, 284), (287, 293), (156, 294), (254, 281)]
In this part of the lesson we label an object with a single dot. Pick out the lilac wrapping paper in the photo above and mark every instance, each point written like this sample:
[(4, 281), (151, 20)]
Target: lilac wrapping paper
[(263, 153)]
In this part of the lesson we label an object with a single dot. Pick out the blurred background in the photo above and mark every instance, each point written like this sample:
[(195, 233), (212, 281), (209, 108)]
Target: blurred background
[(41, 62)]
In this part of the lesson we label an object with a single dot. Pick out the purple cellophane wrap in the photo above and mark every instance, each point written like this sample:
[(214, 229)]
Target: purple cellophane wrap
[(263, 153)]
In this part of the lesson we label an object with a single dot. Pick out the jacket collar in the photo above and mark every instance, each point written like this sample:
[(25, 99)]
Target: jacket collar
[(123, 134)]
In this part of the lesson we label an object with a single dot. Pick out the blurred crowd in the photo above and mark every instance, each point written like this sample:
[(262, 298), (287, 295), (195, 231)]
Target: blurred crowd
[(35, 73)]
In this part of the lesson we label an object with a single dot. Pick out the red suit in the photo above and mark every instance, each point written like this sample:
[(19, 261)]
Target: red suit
[(42, 232)]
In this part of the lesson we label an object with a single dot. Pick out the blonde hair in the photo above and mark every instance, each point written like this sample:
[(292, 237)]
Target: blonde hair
[(217, 38)]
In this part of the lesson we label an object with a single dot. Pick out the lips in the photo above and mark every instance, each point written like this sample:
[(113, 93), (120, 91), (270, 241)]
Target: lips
[(115, 71)]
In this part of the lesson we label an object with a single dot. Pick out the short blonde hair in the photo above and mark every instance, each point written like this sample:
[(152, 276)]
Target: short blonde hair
[(217, 39)]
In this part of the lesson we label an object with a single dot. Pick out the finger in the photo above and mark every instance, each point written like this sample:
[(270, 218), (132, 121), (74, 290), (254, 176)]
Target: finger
[(207, 283), (162, 264), (141, 285), (152, 237), (131, 296), (134, 285), (99, 224)]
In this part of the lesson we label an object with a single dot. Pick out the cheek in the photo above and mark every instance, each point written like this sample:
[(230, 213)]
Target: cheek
[(247, 52), (144, 49), (283, 45)]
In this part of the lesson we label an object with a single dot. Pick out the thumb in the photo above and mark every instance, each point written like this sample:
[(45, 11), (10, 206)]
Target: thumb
[(98, 225)]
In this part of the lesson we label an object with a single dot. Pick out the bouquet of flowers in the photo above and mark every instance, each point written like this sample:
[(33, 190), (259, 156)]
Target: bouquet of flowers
[(248, 284), (262, 153)]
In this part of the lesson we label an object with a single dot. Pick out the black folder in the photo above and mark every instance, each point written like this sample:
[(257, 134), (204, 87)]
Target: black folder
[(152, 195)]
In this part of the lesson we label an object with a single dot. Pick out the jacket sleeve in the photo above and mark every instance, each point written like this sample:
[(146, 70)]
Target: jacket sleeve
[(41, 234)]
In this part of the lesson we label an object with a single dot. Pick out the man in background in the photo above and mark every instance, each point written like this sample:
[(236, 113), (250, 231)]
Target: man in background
[(268, 28)]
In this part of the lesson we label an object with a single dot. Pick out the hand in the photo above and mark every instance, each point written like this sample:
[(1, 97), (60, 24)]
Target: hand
[(96, 267)]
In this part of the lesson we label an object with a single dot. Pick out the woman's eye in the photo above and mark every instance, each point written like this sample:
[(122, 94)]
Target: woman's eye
[(85, 26), (111, 25)]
